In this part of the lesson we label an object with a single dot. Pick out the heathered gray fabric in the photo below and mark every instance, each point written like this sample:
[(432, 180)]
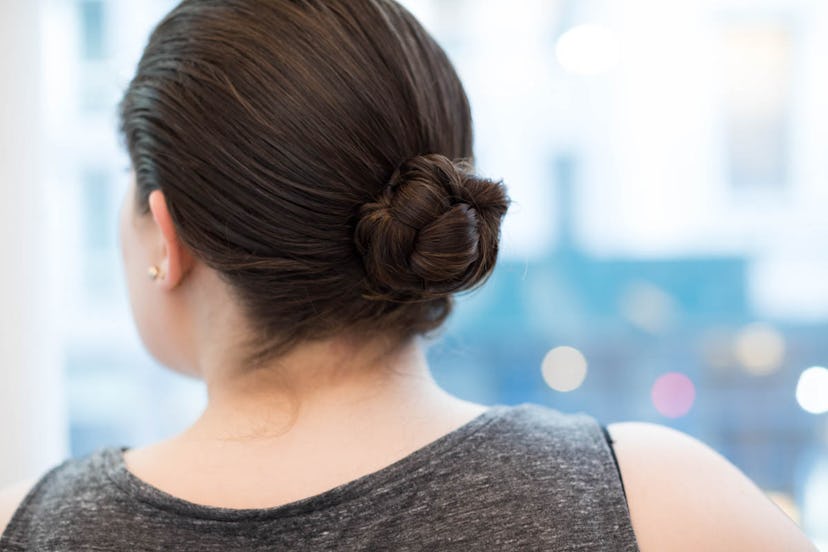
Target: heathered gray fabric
[(514, 478)]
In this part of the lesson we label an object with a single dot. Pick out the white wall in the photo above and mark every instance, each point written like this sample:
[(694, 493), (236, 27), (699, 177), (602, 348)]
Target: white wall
[(33, 434)]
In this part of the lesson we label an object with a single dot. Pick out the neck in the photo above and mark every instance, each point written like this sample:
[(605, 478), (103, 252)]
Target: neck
[(325, 387), (312, 421)]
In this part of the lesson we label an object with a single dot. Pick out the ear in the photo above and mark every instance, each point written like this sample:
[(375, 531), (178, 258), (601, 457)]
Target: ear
[(176, 261)]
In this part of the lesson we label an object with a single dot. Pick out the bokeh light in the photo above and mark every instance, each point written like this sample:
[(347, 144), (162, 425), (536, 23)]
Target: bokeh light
[(649, 308), (812, 390), (760, 349), (673, 394), (564, 368), (786, 503), (588, 50)]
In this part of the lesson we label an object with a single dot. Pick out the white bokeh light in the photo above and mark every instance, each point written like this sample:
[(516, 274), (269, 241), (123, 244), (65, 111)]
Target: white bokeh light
[(760, 349), (564, 369), (649, 308), (812, 390), (588, 50)]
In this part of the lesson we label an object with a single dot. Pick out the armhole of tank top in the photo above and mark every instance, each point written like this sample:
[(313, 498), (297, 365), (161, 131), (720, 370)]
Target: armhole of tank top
[(614, 458)]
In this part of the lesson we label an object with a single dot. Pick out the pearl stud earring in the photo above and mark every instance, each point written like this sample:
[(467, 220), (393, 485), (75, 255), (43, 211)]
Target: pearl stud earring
[(154, 272)]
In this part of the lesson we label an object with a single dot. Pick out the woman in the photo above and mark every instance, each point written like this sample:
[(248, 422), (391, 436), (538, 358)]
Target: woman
[(304, 205)]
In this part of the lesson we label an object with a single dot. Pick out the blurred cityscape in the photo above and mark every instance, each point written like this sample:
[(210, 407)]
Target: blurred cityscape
[(582, 333), (665, 259)]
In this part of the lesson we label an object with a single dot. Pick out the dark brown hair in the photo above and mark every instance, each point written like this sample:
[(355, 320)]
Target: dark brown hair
[(317, 154)]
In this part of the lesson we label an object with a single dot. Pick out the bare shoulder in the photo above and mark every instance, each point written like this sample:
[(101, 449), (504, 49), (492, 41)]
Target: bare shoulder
[(10, 499), (684, 496)]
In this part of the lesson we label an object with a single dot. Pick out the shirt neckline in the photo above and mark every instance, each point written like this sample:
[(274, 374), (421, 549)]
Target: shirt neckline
[(116, 469)]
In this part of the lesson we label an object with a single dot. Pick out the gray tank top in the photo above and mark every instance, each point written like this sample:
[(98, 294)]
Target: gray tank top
[(514, 478)]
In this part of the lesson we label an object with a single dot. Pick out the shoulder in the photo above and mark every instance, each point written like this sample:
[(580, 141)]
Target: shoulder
[(552, 440), (63, 484), (682, 495), (10, 500)]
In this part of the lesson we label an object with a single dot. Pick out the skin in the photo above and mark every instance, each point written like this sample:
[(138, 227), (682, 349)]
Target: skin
[(272, 432)]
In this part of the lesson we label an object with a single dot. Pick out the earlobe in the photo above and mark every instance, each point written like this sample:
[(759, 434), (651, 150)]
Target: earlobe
[(176, 261)]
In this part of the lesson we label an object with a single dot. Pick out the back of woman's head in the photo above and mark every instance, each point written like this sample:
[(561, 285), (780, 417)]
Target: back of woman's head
[(316, 154)]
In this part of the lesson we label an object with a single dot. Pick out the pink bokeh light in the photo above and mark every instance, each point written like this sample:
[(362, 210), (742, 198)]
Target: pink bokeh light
[(673, 394)]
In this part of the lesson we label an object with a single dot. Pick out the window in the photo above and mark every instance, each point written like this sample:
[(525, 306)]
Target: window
[(634, 282)]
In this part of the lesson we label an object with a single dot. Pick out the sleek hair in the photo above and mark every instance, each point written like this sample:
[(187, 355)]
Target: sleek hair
[(317, 154)]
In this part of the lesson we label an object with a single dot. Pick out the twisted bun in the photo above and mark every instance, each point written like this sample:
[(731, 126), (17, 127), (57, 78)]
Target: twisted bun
[(434, 231)]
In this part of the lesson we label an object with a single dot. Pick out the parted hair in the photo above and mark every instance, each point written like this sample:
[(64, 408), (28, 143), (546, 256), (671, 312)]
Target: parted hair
[(318, 155)]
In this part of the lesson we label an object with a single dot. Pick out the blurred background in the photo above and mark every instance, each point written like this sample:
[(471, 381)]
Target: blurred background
[(665, 260)]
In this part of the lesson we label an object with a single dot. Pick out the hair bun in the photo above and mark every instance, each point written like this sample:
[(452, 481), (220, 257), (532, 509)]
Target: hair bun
[(433, 231)]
